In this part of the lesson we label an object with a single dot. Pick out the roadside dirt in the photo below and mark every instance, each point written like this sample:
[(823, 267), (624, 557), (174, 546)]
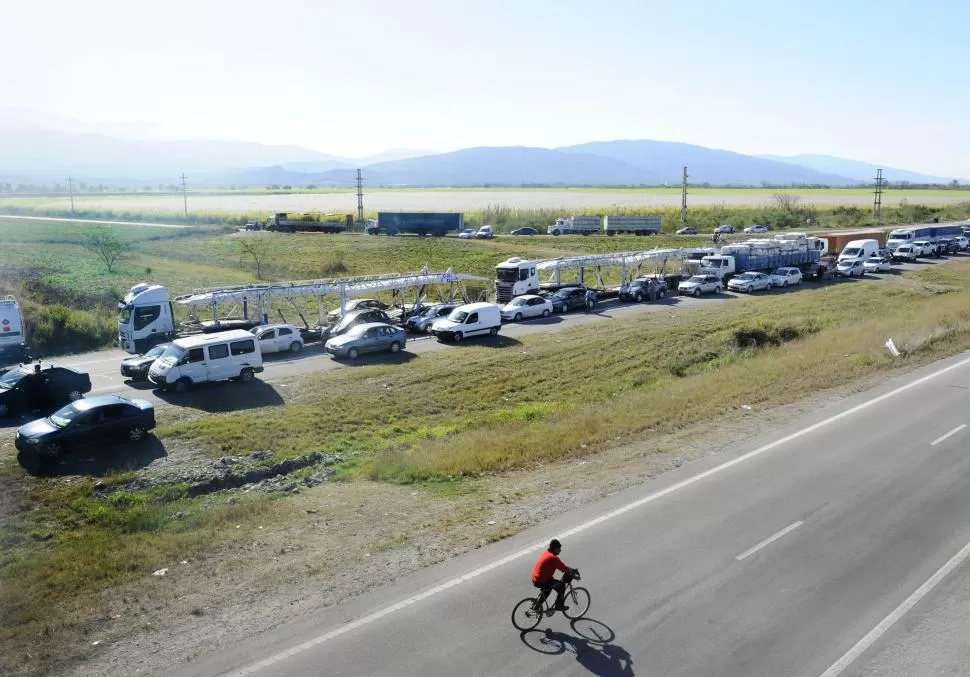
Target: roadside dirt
[(330, 542)]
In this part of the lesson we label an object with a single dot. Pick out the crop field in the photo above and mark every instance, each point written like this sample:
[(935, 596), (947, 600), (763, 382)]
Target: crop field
[(477, 200)]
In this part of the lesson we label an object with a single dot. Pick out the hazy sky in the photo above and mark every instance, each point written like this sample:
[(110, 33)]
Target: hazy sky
[(882, 81)]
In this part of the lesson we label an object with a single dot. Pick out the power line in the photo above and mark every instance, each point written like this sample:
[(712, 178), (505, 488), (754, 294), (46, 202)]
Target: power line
[(185, 199)]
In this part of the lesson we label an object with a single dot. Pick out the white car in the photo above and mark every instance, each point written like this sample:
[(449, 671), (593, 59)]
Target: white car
[(526, 306), (877, 264), (700, 284), (963, 243), (850, 268), (749, 282), (278, 338), (906, 252), (782, 277), (925, 247), (756, 228), (467, 234)]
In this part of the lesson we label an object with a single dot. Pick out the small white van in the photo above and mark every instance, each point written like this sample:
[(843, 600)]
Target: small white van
[(471, 319), (210, 357), (859, 250), (13, 346)]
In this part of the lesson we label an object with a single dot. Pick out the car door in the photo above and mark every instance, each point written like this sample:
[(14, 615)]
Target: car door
[(85, 429), (284, 337), (113, 422), (220, 365), (194, 367), (267, 341)]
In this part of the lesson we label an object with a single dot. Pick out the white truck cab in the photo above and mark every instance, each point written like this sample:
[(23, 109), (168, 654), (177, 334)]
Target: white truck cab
[(515, 277), (198, 359), (145, 318)]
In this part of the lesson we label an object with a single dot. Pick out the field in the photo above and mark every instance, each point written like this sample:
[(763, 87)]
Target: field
[(480, 200)]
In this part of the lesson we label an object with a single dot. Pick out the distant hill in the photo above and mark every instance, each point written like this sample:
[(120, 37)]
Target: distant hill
[(705, 165), (860, 171)]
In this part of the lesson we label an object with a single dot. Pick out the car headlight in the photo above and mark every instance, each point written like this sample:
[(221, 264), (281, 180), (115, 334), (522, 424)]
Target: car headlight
[(30, 440)]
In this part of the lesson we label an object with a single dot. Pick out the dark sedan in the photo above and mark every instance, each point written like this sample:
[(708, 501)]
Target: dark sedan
[(29, 387), (82, 423), (136, 367), (566, 299), (525, 231), (357, 317)]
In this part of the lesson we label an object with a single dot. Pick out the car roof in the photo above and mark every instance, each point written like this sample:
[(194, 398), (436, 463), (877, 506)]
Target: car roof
[(87, 403), (369, 325), (276, 325)]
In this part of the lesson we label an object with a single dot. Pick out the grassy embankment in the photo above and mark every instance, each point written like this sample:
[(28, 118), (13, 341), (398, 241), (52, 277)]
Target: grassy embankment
[(542, 398)]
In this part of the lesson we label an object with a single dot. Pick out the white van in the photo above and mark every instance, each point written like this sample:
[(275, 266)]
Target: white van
[(210, 357), (13, 344), (471, 319), (859, 250)]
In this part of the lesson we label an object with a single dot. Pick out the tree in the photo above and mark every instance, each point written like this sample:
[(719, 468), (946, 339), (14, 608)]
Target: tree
[(106, 246), (256, 248), (786, 201)]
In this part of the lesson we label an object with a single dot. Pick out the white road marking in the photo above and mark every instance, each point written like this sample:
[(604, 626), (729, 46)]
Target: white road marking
[(110, 223), (897, 613), (531, 549), (771, 539), (952, 432)]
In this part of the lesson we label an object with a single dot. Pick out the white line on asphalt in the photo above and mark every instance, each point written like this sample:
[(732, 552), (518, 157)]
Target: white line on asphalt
[(531, 549), (771, 539), (952, 432), (897, 613)]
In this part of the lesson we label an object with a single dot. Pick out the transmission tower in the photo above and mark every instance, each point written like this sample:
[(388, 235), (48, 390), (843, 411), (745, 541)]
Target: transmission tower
[(877, 201), (70, 184), (185, 199), (360, 199), (683, 200)]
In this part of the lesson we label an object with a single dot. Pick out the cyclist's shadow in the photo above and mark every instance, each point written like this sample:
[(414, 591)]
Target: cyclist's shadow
[(592, 646)]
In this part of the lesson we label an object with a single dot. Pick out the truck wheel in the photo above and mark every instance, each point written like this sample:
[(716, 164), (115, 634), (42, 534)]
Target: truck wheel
[(395, 347), (585, 233), (182, 385), (556, 233), (246, 375), (296, 347), (611, 233)]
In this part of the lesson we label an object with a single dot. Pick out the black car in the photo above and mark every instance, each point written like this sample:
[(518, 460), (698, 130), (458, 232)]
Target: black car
[(85, 422), (29, 387), (688, 230), (566, 299), (136, 367), (352, 319), (641, 289), (525, 231)]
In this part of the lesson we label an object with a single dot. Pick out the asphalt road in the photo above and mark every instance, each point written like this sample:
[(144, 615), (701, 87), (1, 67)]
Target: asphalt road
[(108, 223), (834, 546)]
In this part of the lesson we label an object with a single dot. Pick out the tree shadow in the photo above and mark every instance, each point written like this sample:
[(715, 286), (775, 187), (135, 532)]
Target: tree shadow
[(222, 397), (592, 645), (102, 460)]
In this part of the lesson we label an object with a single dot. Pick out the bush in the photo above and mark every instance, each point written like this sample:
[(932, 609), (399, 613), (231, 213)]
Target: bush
[(56, 330)]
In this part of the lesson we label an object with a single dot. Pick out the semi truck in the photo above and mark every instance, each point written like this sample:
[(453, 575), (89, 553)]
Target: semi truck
[(902, 236), (306, 223), (437, 224), (760, 255), (631, 225), (13, 342), (576, 225), (514, 277)]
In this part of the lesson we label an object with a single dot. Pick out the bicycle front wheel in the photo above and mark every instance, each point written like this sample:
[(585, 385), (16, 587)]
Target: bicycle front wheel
[(527, 614), (577, 599)]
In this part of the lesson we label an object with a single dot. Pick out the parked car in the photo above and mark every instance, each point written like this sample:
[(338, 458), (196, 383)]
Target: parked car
[(851, 268), (29, 387), (82, 423), (467, 234), (688, 230), (947, 245), (786, 275), (700, 284), (471, 319), (641, 288), (963, 243), (356, 304), (568, 298), (925, 248), (877, 264), (136, 367), (906, 252), (278, 338), (749, 282), (525, 307), (422, 321), (525, 231), (363, 316), (724, 228), (254, 225), (756, 228), (369, 337)]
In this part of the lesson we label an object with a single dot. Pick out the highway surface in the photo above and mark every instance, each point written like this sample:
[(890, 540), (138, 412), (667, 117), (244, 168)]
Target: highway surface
[(834, 546), (108, 223)]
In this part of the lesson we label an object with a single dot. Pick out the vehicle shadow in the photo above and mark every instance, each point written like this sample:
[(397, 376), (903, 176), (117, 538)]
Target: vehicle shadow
[(99, 461), (498, 341), (592, 644), (401, 357), (224, 397), (535, 321)]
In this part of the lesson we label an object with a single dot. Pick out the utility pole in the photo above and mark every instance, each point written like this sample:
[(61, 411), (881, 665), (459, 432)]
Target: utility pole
[(360, 200), (877, 201), (683, 201), (185, 199), (70, 184)]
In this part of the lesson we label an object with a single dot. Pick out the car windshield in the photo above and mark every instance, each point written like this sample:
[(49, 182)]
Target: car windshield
[(64, 415), (125, 315), (156, 351), (358, 331), (11, 378), (747, 276), (507, 274), (697, 278), (172, 354), (518, 302), (458, 316)]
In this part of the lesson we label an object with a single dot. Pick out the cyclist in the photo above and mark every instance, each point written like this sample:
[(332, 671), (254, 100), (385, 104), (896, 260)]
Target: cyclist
[(543, 574)]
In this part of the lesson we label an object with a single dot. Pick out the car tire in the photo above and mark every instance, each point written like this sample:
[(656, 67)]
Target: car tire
[(546, 313), (4, 409), (697, 293), (493, 331), (458, 336), (353, 354), (638, 298), (74, 395), (784, 285), (395, 347), (136, 433), (30, 461), (717, 290), (247, 375), (661, 294), (296, 347), (517, 318), (182, 385)]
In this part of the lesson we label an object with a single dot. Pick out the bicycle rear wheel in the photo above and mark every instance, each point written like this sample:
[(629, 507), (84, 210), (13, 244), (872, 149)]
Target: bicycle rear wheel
[(577, 599), (525, 615)]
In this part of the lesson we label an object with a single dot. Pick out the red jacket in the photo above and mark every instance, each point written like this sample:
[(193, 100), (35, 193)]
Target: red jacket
[(547, 564)]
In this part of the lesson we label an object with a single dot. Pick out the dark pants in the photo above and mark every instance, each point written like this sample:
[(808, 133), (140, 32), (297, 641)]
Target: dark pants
[(559, 585)]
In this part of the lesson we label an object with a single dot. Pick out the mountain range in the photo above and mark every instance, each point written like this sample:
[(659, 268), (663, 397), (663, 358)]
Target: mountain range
[(46, 149)]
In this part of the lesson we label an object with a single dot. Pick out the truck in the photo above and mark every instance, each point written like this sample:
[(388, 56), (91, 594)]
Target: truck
[(13, 342), (631, 225), (576, 225), (761, 256), (838, 240), (437, 224), (514, 277), (902, 236), (306, 223)]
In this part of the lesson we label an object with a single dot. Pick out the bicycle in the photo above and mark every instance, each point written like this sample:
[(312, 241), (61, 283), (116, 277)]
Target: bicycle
[(529, 611)]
